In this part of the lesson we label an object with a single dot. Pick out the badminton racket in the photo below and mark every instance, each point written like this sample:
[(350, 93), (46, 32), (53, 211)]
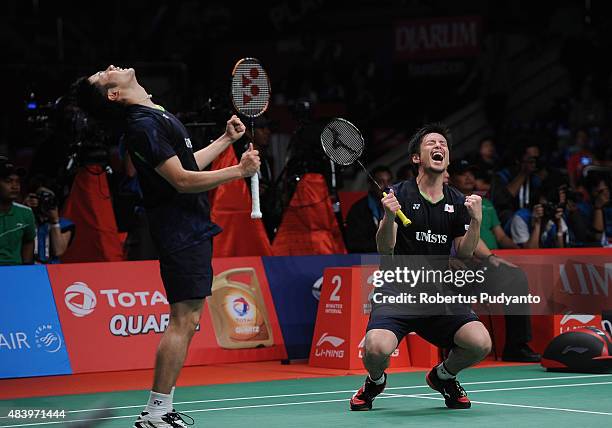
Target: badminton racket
[(251, 96), (343, 143)]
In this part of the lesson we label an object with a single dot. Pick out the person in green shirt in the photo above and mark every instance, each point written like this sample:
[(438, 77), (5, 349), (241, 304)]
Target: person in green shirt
[(462, 176), (17, 227), (501, 275)]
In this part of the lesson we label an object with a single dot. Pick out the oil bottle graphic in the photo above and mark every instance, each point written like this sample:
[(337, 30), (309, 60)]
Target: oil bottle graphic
[(238, 310)]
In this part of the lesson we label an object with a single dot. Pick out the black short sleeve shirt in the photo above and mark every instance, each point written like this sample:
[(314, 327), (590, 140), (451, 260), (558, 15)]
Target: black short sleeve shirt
[(177, 220), (434, 226)]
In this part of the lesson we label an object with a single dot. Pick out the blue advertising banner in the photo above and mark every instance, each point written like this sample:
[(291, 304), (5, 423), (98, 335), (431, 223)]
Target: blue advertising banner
[(295, 283), (31, 339)]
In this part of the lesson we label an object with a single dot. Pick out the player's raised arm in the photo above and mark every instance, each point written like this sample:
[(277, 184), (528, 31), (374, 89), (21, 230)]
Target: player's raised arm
[(185, 181), (387, 228), (234, 130), (466, 244)]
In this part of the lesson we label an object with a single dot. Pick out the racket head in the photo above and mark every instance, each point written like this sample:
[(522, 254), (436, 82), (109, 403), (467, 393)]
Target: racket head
[(342, 142), (250, 88)]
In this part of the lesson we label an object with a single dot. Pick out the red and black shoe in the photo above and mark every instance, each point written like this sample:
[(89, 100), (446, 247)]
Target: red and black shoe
[(362, 399), (454, 395)]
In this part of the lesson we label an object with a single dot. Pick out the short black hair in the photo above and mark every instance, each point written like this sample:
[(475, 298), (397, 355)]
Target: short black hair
[(92, 101), (414, 147)]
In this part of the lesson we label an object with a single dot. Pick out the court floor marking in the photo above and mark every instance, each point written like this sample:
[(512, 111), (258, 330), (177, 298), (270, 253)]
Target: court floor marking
[(385, 396), (334, 392), (524, 406)]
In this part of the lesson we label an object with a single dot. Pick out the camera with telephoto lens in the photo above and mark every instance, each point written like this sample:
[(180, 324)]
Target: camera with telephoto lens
[(550, 209), (46, 201)]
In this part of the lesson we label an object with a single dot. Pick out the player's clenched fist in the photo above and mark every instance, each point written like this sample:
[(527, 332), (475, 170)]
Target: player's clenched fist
[(249, 162), (473, 203), (391, 204), (234, 128)]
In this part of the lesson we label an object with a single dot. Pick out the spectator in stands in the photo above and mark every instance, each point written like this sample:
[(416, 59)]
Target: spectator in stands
[(517, 187), (462, 176), (17, 228), (364, 216), (54, 234), (486, 160), (579, 155), (405, 172), (597, 211), (542, 225)]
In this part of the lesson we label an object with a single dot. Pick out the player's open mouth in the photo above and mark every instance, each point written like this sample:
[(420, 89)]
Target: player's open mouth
[(437, 155)]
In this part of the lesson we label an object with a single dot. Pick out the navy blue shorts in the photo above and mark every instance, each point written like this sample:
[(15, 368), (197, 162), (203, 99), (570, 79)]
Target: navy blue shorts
[(187, 274), (437, 329)]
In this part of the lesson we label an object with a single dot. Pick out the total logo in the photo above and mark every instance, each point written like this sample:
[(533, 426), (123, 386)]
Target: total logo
[(82, 300), (327, 346), (47, 339), (240, 306)]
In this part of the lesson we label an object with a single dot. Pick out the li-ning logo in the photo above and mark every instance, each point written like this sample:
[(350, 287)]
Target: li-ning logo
[(431, 237), (188, 143), (80, 299), (575, 349), (335, 341), (576, 317)]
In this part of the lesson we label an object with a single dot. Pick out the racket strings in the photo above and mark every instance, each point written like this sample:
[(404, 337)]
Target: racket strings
[(342, 142), (250, 88)]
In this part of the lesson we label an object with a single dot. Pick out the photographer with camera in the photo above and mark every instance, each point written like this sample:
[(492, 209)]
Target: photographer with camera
[(543, 225), (53, 233), (515, 188), (17, 228), (597, 211)]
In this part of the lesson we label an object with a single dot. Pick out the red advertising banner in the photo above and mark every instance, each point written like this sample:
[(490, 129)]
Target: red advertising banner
[(438, 38), (113, 315), (573, 283), (342, 317)]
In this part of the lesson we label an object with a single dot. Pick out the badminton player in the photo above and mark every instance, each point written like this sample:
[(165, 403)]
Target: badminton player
[(174, 192), (442, 217)]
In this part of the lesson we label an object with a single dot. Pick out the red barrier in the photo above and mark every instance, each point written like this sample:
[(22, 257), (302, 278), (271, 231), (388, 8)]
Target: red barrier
[(113, 314), (342, 317), (580, 278)]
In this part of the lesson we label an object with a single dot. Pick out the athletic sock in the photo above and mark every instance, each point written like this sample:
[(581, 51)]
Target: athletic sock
[(443, 373), (380, 380), (158, 405)]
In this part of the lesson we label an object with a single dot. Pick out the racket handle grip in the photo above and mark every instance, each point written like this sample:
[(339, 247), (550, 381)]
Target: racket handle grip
[(405, 220), (255, 208)]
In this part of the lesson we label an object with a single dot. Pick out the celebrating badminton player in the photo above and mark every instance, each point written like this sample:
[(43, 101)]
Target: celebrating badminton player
[(442, 212), (174, 191)]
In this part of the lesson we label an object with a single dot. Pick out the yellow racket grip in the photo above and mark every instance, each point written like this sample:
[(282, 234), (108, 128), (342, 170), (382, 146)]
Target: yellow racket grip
[(405, 220)]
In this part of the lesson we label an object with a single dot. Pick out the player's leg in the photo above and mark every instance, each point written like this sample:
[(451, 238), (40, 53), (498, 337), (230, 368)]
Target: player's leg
[(379, 345), (383, 335), (469, 343), (187, 278), (173, 346)]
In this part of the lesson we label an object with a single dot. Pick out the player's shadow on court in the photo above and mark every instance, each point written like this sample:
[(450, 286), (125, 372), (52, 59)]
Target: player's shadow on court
[(428, 411)]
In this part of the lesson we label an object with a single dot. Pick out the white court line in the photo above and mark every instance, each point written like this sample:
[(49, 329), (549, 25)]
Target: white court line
[(559, 409), (385, 396), (259, 397)]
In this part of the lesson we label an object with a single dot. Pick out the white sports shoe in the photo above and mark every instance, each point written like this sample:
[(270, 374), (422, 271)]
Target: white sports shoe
[(173, 419)]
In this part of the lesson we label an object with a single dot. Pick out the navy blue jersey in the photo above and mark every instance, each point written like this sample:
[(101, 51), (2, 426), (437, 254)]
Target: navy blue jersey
[(434, 226), (177, 220)]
